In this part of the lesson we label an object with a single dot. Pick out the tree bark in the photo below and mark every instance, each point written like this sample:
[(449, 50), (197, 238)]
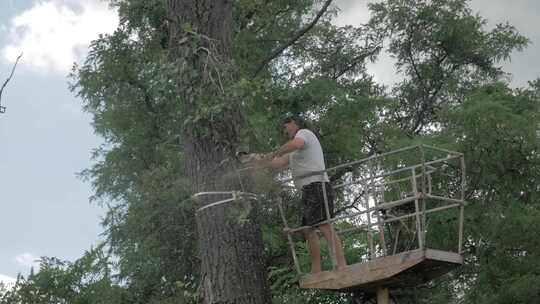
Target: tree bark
[(212, 22), (230, 245), (233, 267)]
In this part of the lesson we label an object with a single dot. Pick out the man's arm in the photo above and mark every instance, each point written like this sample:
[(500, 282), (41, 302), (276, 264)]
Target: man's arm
[(290, 146), (269, 161), (280, 162), (280, 158)]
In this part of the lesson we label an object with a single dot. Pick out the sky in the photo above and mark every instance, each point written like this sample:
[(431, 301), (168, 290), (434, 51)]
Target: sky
[(45, 138)]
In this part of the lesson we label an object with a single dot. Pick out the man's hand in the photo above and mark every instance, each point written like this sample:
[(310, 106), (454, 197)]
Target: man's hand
[(269, 160), (251, 158), (269, 156), (279, 162), (265, 160)]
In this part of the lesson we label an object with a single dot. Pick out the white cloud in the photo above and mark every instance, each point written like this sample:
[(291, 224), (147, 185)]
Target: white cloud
[(28, 260), (55, 33), (352, 12), (8, 281)]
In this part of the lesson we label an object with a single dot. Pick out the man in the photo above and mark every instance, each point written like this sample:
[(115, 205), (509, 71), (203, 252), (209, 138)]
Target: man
[(304, 155)]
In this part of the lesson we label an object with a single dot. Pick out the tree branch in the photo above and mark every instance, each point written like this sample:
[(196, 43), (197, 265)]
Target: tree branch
[(291, 41), (351, 205), (358, 59), (428, 105), (3, 109)]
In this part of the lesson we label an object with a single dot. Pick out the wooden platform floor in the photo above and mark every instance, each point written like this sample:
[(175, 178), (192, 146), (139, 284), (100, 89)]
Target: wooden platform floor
[(404, 269)]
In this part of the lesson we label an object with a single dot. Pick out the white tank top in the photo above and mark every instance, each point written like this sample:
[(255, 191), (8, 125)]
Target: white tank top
[(307, 160)]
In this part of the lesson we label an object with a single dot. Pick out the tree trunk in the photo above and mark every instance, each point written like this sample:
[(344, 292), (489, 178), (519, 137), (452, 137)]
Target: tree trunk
[(211, 21), (230, 242), (232, 263)]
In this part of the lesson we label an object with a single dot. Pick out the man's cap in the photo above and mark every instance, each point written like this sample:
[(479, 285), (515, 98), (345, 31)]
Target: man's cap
[(290, 118)]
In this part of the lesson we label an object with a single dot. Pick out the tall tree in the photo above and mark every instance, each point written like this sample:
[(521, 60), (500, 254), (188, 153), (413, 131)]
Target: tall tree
[(173, 94), (129, 85), (231, 250)]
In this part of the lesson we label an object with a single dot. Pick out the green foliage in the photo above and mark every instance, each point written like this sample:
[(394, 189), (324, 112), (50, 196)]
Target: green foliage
[(87, 280), (126, 84), (497, 128), (443, 51)]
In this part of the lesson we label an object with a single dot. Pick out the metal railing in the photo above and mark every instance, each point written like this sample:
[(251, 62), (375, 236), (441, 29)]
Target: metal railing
[(420, 180), (389, 197)]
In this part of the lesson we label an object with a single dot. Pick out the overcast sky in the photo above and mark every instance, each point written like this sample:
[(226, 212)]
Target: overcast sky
[(45, 138)]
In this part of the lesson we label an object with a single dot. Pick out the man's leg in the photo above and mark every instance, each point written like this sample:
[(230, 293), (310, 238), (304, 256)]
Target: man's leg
[(314, 249), (332, 239)]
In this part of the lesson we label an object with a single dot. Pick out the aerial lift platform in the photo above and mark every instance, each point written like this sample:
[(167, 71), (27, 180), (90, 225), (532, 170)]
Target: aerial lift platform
[(393, 201)]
